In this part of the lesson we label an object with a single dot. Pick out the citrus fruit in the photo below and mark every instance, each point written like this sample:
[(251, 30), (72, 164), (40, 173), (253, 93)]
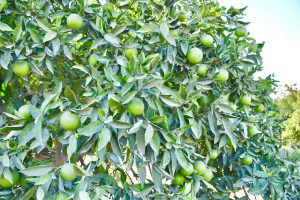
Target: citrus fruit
[(136, 107), (202, 101), (174, 33), (240, 31), (245, 100), (247, 160), (21, 68), (130, 53), (188, 170), (260, 108), (93, 60), (68, 172), (213, 154), (178, 179), (182, 16), (222, 75), (208, 175), (200, 167), (252, 130), (69, 121), (74, 21), (202, 70), (206, 40), (194, 55)]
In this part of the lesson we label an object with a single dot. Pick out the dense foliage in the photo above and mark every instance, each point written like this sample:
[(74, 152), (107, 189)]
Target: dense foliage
[(289, 105), (141, 99)]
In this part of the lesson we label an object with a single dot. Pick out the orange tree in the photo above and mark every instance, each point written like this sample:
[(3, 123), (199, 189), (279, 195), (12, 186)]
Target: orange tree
[(135, 100)]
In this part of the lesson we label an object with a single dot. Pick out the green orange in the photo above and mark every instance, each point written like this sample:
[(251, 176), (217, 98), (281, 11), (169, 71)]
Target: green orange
[(222, 75), (136, 107), (187, 170), (21, 68), (200, 167), (69, 120), (74, 21), (206, 40), (178, 179), (194, 55), (130, 53), (68, 172)]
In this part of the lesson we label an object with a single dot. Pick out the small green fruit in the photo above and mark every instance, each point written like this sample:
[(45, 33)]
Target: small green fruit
[(130, 53), (245, 100), (178, 180), (174, 33), (136, 107), (182, 16), (240, 31), (206, 40), (93, 60), (200, 167), (194, 55), (252, 130), (208, 175), (74, 21), (222, 75), (24, 111), (188, 170), (213, 154), (21, 68), (68, 172), (202, 70), (202, 101), (247, 160), (69, 121), (260, 108)]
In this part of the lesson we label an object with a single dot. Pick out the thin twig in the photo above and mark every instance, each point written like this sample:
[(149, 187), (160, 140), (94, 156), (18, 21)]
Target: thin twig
[(246, 193)]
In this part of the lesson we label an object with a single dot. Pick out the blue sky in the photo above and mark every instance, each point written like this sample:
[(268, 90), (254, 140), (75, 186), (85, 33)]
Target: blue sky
[(277, 22)]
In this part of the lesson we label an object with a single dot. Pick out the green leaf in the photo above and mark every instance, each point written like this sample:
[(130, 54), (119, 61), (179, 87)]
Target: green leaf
[(259, 187), (164, 29), (67, 52), (44, 24), (26, 134), (17, 32), (181, 159), (72, 146), (136, 127), (228, 131), (155, 143), (111, 38), (43, 179), (91, 128), (5, 160), (151, 26), (148, 134), (5, 27), (37, 170), (120, 125), (70, 94), (49, 36), (104, 138), (81, 68), (169, 101)]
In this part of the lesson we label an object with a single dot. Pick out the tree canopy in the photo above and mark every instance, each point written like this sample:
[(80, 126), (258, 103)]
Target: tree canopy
[(143, 99)]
